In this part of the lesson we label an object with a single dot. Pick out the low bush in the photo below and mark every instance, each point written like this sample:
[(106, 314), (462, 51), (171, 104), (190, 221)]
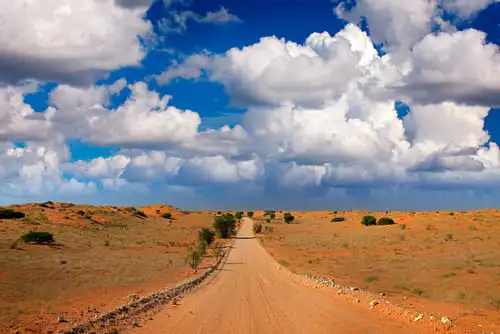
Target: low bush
[(257, 228), (385, 221), (207, 235), (224, 225), (167, 215), (250, 214), (268, 229), (11, 214), (218, 250), (238, 215), (338, 219), (201, 247), (38, 237), (194, 259), (288, 217), (47, 204), (369, 220), (270, 213), (140, 214)]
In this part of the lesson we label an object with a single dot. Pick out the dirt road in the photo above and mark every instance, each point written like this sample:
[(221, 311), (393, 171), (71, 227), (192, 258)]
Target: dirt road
[(251, 294)]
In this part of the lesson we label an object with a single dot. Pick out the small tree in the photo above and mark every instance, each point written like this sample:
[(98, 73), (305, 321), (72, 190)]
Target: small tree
[(224, 225), (238, 215), (385, 221), (270, 213), (207, 235), (257, 228), (288, 217), (194, 259), (369, 220), (250, 214), (217, 250), (201, 247), (167, 215)]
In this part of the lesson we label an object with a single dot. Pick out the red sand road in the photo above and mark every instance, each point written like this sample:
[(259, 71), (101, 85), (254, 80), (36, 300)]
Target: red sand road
[(251, 294)]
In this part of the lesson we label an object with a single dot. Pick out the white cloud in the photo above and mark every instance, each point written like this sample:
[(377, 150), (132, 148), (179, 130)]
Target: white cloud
[(466, 8), (35, 170), (438, 74), (18, 121), (320, 116), (68, 40), (393, 22), (177, 21), (274, 71), (145, 119)]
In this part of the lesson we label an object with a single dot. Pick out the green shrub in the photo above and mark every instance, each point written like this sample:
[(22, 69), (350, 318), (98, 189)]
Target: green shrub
[(207, 235), (335, 212), (385, 221), (10, 214), (194, 259), (250, 214), (217, 250), (48, 204), (268, 220), (257, 228), (238, 215), (270, 213), (224, 225), (201, 246), (38, 237), (268, 229), (140, 214), (167, 215), (369, 220), (288, 217), (338, 219)]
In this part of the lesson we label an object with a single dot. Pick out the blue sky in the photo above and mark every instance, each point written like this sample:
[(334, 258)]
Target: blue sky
[(238, 104)]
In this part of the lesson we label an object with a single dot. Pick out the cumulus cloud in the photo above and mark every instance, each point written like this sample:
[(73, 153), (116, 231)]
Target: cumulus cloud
[(68, 40), (320, 116), (438, 75), (35, 170), (466, 8), (392, 22)]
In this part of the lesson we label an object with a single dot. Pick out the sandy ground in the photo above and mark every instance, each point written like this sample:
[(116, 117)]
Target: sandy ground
[(104, 255), (253, 294)]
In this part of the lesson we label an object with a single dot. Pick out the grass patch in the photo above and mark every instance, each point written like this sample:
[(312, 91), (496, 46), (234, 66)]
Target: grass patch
[(449, 275), (371, 279), (418, 291), (284, 263)]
